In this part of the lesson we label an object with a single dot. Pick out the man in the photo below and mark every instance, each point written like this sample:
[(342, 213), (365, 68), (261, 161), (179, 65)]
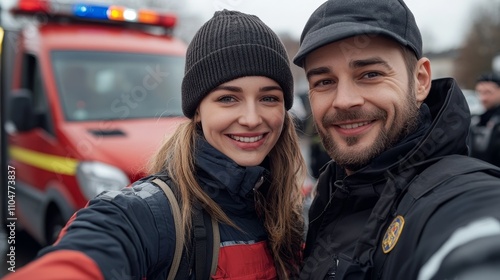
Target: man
[(400, 200), (485, 135)]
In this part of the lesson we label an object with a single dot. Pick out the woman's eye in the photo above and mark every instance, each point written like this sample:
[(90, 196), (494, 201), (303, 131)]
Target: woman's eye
[(226, 99), (270, 99)]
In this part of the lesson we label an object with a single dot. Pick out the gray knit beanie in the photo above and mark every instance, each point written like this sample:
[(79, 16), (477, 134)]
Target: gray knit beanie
[(228, 46)]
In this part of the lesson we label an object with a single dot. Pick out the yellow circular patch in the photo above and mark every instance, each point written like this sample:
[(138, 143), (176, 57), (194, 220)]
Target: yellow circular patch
[(392, 234)]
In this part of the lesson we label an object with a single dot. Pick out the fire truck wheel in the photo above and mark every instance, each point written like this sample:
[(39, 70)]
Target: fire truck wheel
[(55, 223)]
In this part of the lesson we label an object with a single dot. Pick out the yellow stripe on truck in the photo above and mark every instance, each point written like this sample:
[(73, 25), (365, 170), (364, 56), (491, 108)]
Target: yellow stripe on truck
[(56, 164)]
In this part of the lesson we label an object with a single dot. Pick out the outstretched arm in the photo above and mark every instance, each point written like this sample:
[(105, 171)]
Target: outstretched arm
[(117, 236)]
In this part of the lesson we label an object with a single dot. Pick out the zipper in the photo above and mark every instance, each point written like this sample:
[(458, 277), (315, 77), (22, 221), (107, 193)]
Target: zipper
[(259, 183), (332, 272), (339, 184), (255, 188)]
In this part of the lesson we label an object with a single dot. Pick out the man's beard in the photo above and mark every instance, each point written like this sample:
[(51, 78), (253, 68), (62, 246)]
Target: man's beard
[(405, 122)]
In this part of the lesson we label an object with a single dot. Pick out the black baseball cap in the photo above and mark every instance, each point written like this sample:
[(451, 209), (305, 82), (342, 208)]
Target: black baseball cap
[(489, 77), (335, 20)]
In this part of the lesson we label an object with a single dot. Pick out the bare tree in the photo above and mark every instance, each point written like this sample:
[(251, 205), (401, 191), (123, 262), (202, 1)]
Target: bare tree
[(481, 45)]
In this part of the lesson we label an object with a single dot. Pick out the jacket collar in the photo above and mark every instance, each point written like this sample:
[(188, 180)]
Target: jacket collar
[(225, 181)]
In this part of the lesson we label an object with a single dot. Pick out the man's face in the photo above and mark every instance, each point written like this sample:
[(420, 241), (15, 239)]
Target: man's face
[(361, 98), (489, 94)]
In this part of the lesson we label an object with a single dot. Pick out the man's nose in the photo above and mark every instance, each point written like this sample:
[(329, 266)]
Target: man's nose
[(348, 95)]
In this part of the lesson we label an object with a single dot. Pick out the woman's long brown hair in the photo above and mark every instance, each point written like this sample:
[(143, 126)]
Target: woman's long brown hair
[(282, 206)]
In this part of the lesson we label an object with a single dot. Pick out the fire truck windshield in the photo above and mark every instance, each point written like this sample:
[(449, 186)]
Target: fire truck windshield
[(105, 86)]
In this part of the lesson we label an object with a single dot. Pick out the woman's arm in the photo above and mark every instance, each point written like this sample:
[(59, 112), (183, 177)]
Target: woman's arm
[(119, 235)]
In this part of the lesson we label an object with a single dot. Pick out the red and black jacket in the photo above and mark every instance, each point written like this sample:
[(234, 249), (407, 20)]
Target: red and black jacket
[(129, 234)]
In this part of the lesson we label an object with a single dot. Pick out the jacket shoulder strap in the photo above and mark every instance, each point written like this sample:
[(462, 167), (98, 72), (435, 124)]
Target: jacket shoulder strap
[(178, 229), (444, 169), (430, 178)]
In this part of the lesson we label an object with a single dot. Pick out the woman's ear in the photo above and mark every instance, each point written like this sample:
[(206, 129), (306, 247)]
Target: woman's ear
[(423, 79), (197, 117)]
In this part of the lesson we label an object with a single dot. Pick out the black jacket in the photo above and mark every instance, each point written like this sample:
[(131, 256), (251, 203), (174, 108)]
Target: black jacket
[(130, 234), (485, 137), (353, 219)]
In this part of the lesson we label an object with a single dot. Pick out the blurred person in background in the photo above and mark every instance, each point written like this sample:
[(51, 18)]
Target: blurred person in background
[(485, 134), (401, 198), (237, 157), (488, 89)]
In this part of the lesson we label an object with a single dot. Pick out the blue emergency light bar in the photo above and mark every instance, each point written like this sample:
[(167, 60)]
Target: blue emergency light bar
[(96, 12), (90, 11)]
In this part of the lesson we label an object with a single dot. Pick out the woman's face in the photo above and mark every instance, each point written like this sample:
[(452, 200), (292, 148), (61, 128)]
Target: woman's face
[(243, 118)]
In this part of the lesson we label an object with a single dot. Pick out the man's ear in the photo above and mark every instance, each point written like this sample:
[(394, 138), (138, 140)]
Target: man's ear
[(423, 79)]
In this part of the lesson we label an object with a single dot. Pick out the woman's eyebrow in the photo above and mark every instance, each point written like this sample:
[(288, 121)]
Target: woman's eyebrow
[(228, 88), (270, 88)]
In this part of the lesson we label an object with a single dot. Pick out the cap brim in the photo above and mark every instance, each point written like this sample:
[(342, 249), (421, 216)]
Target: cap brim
[(336, 32)]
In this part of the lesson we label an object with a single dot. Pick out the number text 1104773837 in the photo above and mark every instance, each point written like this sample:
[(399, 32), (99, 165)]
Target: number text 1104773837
[(11, 218)]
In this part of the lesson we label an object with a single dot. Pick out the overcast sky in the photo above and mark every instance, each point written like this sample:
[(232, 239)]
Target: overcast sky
[(442, 22)]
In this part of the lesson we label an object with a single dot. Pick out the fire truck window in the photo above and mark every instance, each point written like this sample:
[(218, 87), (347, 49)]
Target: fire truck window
[(32, 80), (76, 92), (107, 86)]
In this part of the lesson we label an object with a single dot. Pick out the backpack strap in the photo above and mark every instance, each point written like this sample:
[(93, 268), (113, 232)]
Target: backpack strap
[(200, 242), (201, 231), (204, 232), (178, 229), (216, 246)]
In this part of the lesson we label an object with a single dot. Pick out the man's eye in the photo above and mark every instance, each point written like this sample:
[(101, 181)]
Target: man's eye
[(371, 75), (323, 83)]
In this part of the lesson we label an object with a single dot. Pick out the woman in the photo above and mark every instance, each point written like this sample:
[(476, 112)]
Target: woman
[(238, 156)]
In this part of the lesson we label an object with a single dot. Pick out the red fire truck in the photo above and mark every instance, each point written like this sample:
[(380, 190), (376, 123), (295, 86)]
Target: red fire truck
[(95, 90)]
